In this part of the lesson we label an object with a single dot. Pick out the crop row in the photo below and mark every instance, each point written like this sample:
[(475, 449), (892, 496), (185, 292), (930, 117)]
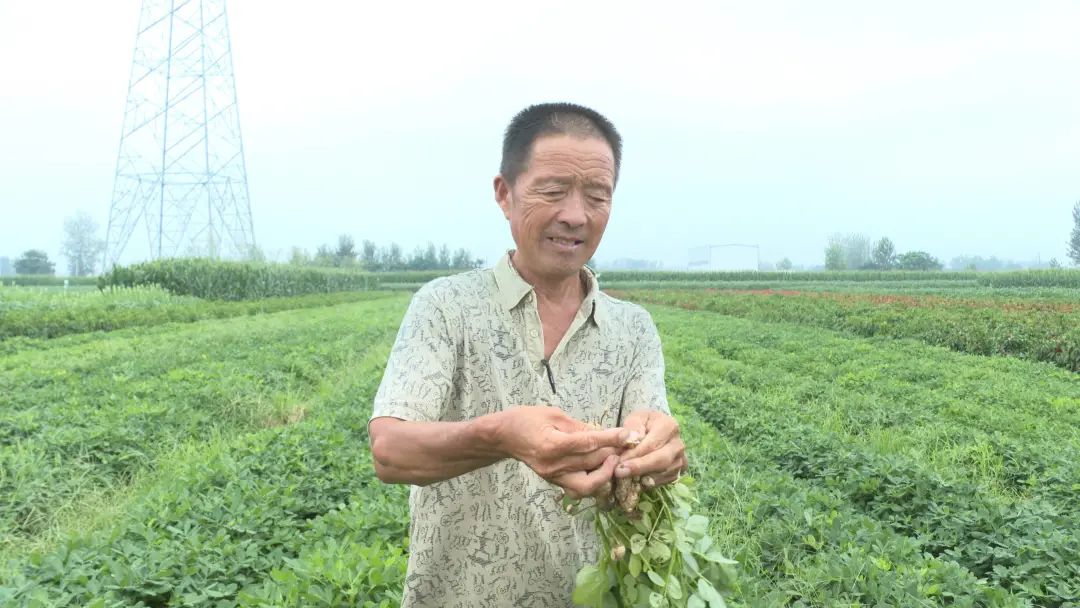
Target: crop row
[(83, 419), (801, 544), (292, 516), (286, 516), (282, 512), (1059, 277), (840, 471), (1028, 278), (47, 315), (1026, 544), (1025, 329), (224, 280), (35, 280), (783, 276), (997, 421)]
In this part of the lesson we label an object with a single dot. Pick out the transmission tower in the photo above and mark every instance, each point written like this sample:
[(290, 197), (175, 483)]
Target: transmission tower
[(180, 171)]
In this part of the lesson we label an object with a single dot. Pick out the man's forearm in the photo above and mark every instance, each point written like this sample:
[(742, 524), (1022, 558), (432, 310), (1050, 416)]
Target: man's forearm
[(420, 453)]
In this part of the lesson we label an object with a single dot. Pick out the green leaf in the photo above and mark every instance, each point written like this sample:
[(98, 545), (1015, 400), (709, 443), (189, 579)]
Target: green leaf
[(697, 525), (656, 600), (646, 521), (656, 578), (635, 566), (695, 602), (710, 594), (639, 525), (674, 589), (716, 557), (691, 563), (659, 552), (637, 544), (592, 582)]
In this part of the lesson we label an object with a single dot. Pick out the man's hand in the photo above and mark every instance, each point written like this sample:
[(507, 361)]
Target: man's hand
[(560, 449), (661, 455)]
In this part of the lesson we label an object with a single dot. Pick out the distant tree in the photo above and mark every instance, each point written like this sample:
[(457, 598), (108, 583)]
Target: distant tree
[(415, 261), (423, 258), (1074, 239), (992, 263), (393, 259), (918, 260), (855, 248), (784, 264), (299, 257), (369, 255), (431, 257), (834, 257), (977, 262), (323, 256), (81, 246), (345, 254), (884, 255), (34, 261), (386, 258), (462, 260), (1055, 264)]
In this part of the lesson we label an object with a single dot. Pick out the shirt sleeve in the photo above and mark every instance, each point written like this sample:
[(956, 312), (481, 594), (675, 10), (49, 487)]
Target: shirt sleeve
[(418, 379), (645, 389)]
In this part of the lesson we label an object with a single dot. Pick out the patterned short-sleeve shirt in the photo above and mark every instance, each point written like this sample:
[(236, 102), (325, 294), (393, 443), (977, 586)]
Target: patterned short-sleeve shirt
[(472, 344)]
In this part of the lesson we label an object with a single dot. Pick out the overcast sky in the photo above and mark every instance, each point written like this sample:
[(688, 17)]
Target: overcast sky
[(952, 127)]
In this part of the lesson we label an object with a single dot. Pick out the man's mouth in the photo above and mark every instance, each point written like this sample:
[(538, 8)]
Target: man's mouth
[(562, 242)]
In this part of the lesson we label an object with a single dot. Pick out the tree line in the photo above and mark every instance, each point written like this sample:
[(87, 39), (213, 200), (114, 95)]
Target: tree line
[(856, 252), (387, 258)]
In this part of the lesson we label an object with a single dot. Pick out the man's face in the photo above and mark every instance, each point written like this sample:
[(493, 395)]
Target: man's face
[(558, 207)]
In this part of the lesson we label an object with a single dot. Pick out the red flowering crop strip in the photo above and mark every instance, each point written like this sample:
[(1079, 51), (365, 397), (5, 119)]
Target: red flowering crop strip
[(1029, 329)]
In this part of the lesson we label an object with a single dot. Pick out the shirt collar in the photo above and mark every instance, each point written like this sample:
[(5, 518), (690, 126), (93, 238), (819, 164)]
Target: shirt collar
[(511, 289)]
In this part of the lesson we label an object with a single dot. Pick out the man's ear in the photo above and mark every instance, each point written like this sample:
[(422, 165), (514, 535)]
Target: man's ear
[(502, 195)]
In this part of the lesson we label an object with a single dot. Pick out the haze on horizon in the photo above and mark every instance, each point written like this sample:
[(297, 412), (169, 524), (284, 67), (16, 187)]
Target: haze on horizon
[(951, 128)]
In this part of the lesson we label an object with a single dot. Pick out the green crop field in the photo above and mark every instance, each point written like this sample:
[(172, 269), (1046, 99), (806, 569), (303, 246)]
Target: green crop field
[(856, 443)]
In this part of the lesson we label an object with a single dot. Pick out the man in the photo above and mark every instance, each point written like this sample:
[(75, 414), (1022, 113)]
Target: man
[(499, 378)]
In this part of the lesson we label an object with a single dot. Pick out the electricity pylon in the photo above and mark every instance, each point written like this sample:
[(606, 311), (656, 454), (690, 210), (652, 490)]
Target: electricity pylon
[(180, 171)]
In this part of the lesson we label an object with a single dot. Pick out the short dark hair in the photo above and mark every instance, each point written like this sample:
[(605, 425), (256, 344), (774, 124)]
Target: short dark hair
[(560, 118)]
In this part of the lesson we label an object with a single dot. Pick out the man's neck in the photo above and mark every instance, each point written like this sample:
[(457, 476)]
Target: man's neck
[(560, 291)]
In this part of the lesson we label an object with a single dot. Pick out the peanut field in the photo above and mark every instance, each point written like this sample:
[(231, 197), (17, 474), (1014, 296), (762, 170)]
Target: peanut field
[(855, 443)]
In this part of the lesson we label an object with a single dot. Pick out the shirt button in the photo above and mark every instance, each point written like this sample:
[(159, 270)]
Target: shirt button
[(533, 333)]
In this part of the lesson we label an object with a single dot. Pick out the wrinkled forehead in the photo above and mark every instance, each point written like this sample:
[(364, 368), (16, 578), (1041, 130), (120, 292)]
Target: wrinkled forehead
[(571, 157)]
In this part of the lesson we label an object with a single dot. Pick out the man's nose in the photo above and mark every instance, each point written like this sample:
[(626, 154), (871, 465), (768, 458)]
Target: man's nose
[(572, 212)]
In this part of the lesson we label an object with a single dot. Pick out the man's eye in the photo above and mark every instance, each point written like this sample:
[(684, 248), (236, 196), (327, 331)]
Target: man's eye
[(553, 193)]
